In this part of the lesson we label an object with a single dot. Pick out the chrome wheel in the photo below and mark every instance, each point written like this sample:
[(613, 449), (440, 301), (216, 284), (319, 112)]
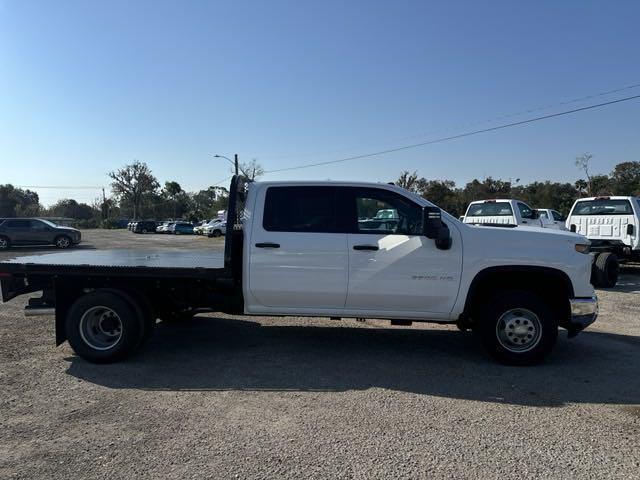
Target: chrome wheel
[(4, 243), (519, 330), (62, 242), (101, 328)]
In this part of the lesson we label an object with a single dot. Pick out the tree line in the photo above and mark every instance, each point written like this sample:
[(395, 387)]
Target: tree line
[(136, 193), (623, 180)]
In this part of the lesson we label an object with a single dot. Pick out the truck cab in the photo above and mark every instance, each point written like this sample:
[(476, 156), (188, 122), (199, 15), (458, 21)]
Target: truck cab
[(507, 212), (611, 223)]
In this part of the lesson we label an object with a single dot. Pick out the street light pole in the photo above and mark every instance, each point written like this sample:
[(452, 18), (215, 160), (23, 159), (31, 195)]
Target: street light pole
[(233, 162)]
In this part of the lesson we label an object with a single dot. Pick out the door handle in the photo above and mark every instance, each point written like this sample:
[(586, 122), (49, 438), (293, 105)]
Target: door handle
[(267, 245), (366, 247)]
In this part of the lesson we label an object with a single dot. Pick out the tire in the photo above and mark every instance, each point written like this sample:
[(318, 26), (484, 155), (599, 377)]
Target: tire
[(216, 233), (5, 243), (62, 242), (605, 270), (103, 327), (144, 230), (517, 327)]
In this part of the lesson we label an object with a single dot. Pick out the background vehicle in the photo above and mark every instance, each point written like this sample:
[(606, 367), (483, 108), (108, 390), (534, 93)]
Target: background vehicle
[(501, 212), (164, 227), (182, 228), (216, 229), (552, 218), (145, 226), (34, 231), (297, 248), (199, 228), (611, 224)]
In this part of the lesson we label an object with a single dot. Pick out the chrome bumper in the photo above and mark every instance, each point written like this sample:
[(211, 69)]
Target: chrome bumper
[(584, 312)]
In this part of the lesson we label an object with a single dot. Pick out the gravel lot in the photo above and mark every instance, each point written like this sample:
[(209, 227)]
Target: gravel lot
[(265, 397)]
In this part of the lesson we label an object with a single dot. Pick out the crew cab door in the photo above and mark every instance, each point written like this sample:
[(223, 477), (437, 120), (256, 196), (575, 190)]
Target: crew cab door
[(298, 250), (393, 268)]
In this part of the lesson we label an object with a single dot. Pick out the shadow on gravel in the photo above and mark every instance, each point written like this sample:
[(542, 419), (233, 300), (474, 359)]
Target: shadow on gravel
[(220, 354), (628, 282)]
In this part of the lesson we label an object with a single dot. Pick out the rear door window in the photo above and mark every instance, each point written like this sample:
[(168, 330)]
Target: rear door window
[(603, 207), (18, 223), (301, 209), (490, 209)]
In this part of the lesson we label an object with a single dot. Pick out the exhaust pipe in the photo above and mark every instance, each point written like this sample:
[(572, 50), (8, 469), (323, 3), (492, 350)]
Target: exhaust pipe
[(36, 311)]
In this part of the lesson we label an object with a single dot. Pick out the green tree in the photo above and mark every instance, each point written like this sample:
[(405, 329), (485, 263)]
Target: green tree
[(131, 182), (69, 208), (18, 202), (626, 178)]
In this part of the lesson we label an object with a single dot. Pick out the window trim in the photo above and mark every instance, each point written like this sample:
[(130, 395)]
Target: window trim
[(355, 193), (578, 203), (338, 213)]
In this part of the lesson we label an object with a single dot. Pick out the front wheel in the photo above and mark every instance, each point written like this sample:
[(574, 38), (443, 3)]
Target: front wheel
[(4, 243), (518, 327), (62, 242)]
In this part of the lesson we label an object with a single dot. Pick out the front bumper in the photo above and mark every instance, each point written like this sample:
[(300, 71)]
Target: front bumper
[(584, 312)]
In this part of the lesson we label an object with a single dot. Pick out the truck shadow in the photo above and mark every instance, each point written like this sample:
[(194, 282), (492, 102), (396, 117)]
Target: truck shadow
[(217, 354)]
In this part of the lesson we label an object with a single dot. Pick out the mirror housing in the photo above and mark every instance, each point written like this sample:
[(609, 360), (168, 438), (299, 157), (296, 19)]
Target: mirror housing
[(434, 228), (535, 214)]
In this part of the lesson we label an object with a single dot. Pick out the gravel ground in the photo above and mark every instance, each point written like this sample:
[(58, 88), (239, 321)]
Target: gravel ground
[(260, 397)]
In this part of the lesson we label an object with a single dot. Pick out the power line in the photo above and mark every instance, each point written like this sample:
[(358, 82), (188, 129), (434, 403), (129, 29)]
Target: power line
[(480, 122), (454, 137)]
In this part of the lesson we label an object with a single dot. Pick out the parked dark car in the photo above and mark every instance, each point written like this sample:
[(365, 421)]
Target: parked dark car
[(35, 231), (145, 226)]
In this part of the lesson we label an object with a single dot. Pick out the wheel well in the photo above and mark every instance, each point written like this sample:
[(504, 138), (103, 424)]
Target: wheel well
[(549, 283)]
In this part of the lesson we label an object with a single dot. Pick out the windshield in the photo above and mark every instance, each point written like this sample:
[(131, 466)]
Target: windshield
[(489, 209), (603, 207)]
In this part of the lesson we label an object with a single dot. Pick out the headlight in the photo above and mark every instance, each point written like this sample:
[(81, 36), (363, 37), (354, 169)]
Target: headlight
[(583, 247)]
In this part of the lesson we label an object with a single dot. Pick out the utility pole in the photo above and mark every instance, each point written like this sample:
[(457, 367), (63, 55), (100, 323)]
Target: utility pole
[(236, 162)]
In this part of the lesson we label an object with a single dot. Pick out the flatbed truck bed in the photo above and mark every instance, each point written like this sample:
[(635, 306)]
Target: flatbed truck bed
[(191, 263)]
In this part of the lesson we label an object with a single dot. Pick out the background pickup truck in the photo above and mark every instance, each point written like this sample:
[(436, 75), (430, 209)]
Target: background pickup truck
[(503, 212), (307, 249), (612, 226)]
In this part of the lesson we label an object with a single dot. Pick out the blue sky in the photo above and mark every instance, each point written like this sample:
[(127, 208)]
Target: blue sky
[(88, 86)]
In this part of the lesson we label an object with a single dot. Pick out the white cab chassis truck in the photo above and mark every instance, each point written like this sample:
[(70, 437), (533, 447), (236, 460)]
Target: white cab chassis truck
[(299, 248), (552, 218), (611, 224), (502, 212)]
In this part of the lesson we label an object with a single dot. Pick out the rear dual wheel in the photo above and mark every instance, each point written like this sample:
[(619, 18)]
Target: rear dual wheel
[(605, 270), (106, 325)]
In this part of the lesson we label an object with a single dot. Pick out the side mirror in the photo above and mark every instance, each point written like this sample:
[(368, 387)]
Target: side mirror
[(434, 228), (535, 214)]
